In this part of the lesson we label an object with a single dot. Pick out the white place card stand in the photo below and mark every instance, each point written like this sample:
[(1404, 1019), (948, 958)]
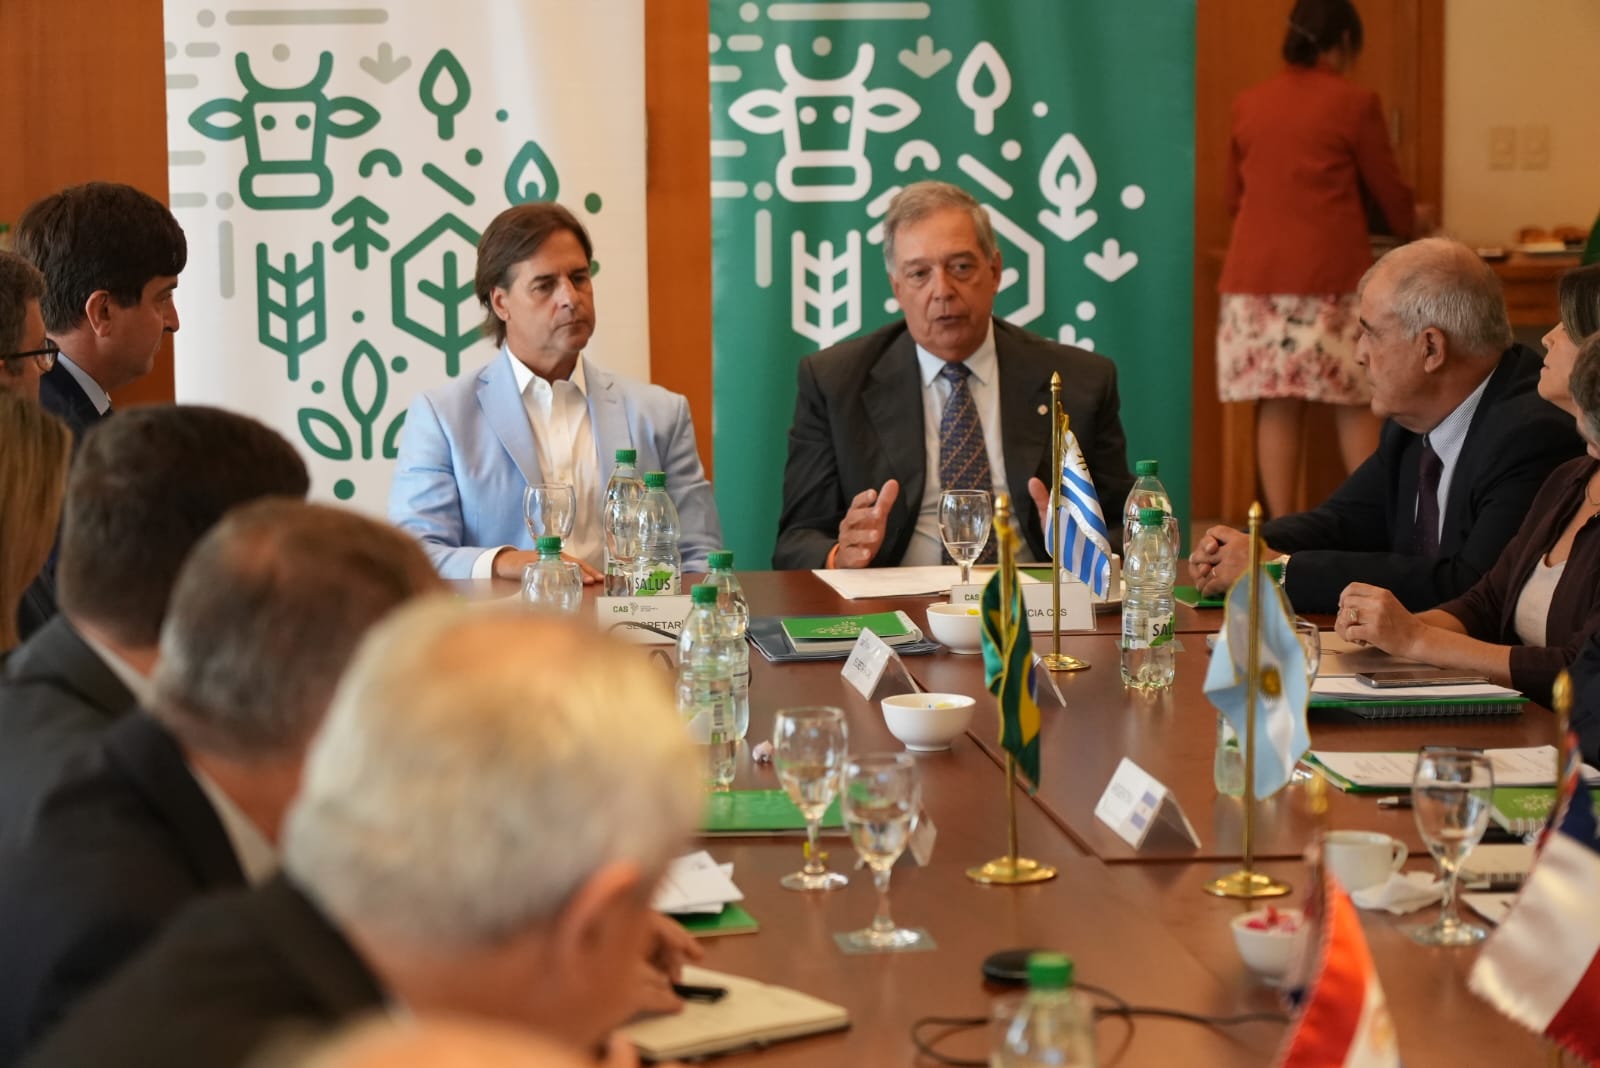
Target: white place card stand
[(1077, 605), (664, 613), (1135, 802), (869, 661)]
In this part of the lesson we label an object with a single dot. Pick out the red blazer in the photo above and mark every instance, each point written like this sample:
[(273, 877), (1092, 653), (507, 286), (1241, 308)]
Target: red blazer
[(1304, 143)]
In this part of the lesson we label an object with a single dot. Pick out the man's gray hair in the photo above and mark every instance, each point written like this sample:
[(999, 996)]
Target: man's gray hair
[(477, 766), (919, 200), (265, 615), (1443, 284), (20, 282)]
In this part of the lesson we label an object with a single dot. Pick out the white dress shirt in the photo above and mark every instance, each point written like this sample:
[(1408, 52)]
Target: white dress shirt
[(257, 858), (1447, 439)]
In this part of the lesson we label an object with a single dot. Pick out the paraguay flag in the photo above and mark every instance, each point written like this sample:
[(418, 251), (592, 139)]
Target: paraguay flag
[(1008, 672), (1541, 967), (1085, 545)]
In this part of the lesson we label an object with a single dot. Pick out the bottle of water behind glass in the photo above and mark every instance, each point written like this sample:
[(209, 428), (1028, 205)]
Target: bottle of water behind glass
[(1148, 492), (1054, 1024), (551, 583), (1147, 577), (734, 611), (621, 522), (659, 565), (705, 687)]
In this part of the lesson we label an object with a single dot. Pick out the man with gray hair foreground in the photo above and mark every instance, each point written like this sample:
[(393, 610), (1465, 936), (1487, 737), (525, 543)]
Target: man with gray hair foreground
[(1466, 444), (190, 799), (472, 837)]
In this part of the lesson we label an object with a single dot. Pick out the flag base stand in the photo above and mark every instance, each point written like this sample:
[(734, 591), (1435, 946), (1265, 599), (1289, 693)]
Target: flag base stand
[(1246, 884), (1011, 871), (1063, 662)]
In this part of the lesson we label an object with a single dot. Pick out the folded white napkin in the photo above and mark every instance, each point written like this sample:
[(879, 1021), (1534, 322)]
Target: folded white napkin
[(1404, 892)]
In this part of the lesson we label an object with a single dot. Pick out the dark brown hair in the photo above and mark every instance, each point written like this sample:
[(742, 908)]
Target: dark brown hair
[(20, 282), (1578, 292), (516, 234), (1318, 26)]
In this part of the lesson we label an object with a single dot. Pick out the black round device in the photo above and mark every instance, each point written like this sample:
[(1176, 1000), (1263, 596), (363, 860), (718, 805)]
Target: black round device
[(1008, 967)]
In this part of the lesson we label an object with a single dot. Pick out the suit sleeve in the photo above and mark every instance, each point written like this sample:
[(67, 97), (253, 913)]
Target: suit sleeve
[(424, 498), (813, 504), (1354, 517), (1586, 707), (1380, 172), (700, 527)]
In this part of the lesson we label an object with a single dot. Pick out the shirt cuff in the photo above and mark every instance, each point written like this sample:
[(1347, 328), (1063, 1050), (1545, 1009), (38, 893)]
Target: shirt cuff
[(483, 566), (833, 552)]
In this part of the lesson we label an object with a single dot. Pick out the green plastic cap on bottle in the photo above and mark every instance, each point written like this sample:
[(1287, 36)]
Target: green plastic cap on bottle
[(655, 480), (549, 543), (627, 456), (1275, 570), (720, 560), (1151, 517), (1049, 971), (705, 593), (1147, 467)]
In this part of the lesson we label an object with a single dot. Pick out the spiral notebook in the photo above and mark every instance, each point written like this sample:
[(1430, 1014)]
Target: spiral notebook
[(1344, 693)]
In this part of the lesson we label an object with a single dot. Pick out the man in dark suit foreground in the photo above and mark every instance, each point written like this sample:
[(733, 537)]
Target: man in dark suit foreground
[(491, 799), (142, 491), (163, 808), (1462, 417), (868, 451)]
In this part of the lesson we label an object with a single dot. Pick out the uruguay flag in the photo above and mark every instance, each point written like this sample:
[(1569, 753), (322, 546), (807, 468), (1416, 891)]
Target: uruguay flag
[(1086, 545)]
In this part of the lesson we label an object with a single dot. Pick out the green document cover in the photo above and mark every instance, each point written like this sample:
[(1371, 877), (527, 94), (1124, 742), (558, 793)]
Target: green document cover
[(760, 812), (885, 625), (1522, 809), (1194, 599), (731, 920)]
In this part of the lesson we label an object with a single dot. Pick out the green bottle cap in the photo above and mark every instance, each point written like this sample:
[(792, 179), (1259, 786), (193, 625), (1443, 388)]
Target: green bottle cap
[(705, 593), (655, 480), (720, 560), (550, 543), (1049, 971), (1147, 467), (1151, 517), (1275, 571), (627, 456)]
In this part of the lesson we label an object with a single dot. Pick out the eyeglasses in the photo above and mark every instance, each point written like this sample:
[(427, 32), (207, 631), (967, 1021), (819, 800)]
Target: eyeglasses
[(45, 357)]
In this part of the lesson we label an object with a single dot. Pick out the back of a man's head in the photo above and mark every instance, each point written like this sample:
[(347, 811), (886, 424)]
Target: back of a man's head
[(477, 767), (145, 486), (1440, 283), (20, 282), (98, 236), (265, 616)]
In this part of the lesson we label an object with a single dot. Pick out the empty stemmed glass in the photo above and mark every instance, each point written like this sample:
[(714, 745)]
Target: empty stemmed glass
[(549, 508), (808, 751), (1311, 644), (1450, 795), (880, 800), (964, 520)]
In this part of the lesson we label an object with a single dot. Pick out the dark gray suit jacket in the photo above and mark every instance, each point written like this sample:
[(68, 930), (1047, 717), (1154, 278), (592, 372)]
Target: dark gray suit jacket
[(858, 423), (60, 394), (115, 847)]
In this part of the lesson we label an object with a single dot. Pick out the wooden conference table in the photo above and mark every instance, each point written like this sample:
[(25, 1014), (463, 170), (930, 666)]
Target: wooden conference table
[(1135, 923)]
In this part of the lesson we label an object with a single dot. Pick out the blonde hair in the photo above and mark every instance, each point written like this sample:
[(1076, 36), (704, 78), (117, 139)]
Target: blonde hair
[(34, 449)]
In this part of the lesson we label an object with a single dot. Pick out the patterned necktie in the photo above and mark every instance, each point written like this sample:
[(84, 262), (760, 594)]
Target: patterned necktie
[(963, 455), (1429, 468)]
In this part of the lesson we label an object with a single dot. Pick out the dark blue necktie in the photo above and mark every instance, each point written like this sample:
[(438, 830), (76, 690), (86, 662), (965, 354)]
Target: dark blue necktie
[(1429, 468)]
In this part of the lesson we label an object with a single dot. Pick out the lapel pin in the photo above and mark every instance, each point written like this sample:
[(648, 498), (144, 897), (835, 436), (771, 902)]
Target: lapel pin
[(1043, 409)]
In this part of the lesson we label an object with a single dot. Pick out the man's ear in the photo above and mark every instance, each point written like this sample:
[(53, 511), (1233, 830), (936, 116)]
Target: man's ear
[(497, 303), (1434, 349), (603, 909), (97, 311)]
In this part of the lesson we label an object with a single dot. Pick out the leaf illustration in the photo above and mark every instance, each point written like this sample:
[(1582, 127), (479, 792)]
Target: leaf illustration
[(333, 443), (391, 437), (836, 296), (431, 292), (364, 356), (531, 176), (657, 583), (446, 105), (298, 322)]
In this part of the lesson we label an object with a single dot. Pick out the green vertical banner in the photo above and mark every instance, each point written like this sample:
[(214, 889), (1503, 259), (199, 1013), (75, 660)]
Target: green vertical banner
[(1071, 121)]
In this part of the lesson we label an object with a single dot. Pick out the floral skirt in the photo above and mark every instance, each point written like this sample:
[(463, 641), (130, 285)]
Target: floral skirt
[(1285, 345)]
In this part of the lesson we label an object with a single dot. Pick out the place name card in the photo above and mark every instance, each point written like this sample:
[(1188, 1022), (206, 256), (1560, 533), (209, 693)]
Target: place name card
[(1077, 604), (1134, 802), (865, 666), (665, 613)]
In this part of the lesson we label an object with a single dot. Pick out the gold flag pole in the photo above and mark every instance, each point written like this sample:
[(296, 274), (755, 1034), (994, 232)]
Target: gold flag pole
[(1561, 704), (1011, 869), (1056, 660), (1246, 882)]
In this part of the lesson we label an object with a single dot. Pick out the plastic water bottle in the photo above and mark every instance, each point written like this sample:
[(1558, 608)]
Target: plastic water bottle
[(1054, 1024), (1148, 492), (550, 583), (658, 569), (621, 522), (705, 687), (1227, 767), (1147, 576), (734, 611)]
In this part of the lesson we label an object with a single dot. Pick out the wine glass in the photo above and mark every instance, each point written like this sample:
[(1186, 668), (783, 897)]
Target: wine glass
[(964, 520), (1311, 642), (1450, 795), (549, 508), (881, 798), (808, 751)]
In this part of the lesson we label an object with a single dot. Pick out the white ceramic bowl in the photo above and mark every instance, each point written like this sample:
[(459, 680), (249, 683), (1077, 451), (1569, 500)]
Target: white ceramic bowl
[(955, 626), (1268, 953), (927, 722)]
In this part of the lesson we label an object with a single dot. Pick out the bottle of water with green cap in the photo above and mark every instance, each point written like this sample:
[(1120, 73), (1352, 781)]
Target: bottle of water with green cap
[(705, 687), (1148, 492), (621, 523), (550, 583), (658, 569), (1147, 577), (734, 611), (1053, 1024)]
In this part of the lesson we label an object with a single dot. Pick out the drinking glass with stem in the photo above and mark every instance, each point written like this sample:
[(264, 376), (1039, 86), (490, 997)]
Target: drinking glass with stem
[(1450, 796), (965, 517), (1310, 637), (880, 801), (808, 751), (549, 508)]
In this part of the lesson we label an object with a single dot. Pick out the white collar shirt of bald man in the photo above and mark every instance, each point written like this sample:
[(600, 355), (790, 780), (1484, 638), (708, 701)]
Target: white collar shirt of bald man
[(926, 547), (1447, 440)]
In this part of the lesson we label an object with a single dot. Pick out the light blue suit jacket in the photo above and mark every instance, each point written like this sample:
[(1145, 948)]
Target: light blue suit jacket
[(467, 453)]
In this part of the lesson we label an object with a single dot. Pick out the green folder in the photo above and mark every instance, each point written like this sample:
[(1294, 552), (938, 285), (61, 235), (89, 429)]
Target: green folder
[(1192, 597), (733, 919), (1522, 809), (760, 812), (885, 625)]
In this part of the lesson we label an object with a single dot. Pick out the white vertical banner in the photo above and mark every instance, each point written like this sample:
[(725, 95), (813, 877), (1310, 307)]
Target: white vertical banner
[(333, 168)]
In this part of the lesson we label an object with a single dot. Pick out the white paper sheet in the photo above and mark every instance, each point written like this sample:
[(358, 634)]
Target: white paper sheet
[(696, 883), (1528, 766), (1349, 688)]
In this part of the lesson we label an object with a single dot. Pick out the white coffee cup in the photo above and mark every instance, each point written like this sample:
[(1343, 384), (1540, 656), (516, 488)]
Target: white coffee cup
[(1362, 858)]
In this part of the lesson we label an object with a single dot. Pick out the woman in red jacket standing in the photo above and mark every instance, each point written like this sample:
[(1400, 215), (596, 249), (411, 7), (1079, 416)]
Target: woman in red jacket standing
[(1305, 145)]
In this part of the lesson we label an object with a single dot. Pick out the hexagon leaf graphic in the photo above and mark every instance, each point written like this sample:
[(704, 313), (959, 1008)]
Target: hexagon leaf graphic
[(430, 283)]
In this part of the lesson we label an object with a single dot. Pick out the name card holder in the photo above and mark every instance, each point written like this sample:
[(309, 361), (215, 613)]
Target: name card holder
[(1134, 802), (864, 668), (1077, 605), (663, 613)]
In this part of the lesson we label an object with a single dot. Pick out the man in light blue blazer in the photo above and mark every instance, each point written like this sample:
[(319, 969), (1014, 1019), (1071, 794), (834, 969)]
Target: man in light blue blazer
[(540, 411)]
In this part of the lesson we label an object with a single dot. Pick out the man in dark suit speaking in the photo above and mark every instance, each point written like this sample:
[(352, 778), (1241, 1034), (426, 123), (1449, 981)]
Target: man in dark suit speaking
[(948, 398)]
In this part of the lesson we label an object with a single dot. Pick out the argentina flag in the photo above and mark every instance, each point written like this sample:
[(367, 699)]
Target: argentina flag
[(1086, 546)]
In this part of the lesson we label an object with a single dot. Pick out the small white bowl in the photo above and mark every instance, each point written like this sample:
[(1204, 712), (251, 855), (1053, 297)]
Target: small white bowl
[(927, 722), (956, 626), (1268, 953)]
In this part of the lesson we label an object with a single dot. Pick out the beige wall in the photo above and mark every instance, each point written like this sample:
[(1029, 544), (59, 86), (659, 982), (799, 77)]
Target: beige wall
[(1520, 63)]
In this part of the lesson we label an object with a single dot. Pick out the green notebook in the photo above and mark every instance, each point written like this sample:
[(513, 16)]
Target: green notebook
[(760, 812), (1192, 597), (1522, 809), (885, 625), (731, 920)]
